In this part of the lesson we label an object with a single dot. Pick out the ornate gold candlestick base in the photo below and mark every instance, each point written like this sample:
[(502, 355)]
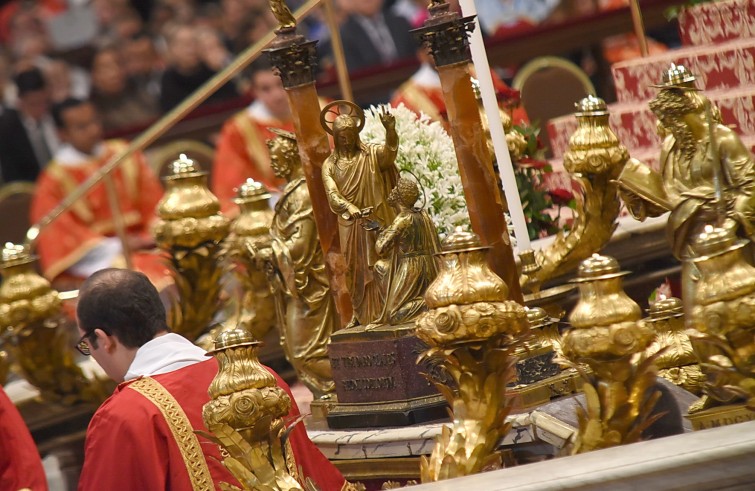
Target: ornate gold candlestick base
[(677, 363), (539, 378), (255, 452), (723, 318), (191, 230), (472, 330), (255, 310), (606, 335), (32, 320)]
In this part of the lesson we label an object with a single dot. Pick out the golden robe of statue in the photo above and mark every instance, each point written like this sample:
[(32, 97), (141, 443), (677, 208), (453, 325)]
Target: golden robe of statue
[(411, 242), (686, 185), (305, 305), (358, 178)]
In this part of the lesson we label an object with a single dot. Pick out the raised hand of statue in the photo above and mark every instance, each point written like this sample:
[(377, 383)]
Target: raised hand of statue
[(387, 118)]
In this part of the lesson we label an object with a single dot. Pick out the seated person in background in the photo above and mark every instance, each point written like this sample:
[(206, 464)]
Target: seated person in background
[(82, 240), (372, 37), (20, 466), (143, 63), (129, 443), (118, 100), (186, 71), (27, 134), (241, 151)]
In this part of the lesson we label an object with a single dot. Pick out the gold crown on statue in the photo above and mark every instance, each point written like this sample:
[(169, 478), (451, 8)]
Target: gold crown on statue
[(677, 77)]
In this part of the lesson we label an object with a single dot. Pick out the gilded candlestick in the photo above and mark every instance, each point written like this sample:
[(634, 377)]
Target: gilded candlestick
[(594, 160), (724, 316), (191, 231), (678, 362), (606, 335), (255, 310), (245, 416), (472, 329), (35, 332), (295, 59)]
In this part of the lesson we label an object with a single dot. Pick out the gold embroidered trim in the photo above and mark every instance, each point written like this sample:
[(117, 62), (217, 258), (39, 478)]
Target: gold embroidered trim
[(182, 431), (255, 147)]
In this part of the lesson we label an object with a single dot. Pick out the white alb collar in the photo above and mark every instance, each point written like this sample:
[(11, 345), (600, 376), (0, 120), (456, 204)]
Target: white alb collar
[(259, 111), (70, 157), (164, 354), (427, 76)]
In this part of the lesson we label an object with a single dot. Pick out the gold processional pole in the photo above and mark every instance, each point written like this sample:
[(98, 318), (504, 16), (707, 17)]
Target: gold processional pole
[(639, 27), (344, 83), (118, 223), (163, 124)]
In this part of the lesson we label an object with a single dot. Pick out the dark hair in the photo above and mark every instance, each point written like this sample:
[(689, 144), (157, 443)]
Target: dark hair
[(261, 64), (30, 80), (63, 106), (124, 304)]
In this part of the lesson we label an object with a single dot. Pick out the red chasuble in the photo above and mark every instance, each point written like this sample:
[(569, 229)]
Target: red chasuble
[(20, 465), (242, 153), (90, 220), (130, 444)]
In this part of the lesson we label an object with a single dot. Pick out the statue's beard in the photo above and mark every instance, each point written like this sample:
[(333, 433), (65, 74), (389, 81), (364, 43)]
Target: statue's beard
[(685, 140)]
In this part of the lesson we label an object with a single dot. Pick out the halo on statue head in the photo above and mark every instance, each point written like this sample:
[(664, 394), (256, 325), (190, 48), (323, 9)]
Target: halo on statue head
[(419, 186), (330, 112)]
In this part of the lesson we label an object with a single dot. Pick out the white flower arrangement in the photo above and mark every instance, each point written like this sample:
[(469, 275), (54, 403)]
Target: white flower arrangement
[(427, 151)]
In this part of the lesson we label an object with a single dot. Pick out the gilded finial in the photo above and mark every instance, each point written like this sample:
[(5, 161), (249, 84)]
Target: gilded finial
[(183, 166), (14, 254), (251, 190), (591, 106)]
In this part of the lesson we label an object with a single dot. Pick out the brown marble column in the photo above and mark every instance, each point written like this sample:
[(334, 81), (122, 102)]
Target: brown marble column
[(295, 58), (445, 35)]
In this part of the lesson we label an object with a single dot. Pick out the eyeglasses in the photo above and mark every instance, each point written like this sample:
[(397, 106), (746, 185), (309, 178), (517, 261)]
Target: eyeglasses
[(83, 345)]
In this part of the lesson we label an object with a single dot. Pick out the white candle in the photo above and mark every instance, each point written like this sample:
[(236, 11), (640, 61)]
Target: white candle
[(490, 102)]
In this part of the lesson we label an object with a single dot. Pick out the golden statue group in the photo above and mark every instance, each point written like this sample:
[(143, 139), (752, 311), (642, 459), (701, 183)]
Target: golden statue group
[(348, 224)]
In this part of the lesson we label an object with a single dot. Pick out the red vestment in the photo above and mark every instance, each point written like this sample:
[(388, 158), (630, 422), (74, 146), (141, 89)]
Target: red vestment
[(129, 444), (242, 153), (20, 465), (79, 230)]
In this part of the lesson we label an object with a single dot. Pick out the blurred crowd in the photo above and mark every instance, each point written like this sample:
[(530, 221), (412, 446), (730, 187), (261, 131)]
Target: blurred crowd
[(138, 58)]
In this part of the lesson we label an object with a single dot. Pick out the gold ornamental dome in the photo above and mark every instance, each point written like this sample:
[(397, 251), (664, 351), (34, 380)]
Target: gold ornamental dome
[(461, 241), (251, 190), (598, 267), (714, 241), (14, 255), (183, 167), (233, 338), (666, 308), (591, 106)]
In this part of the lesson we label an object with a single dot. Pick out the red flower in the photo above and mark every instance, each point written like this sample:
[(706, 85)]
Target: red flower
[(561, 196), (508, 96)]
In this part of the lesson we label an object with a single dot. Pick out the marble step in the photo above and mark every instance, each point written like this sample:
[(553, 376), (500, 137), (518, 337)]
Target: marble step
[(717, 22), (717, 67)]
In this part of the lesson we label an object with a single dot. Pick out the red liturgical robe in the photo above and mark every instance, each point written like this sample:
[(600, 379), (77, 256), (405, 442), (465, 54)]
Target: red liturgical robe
[(242, 153), (20, 465), (89, 222), (130, 444)]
